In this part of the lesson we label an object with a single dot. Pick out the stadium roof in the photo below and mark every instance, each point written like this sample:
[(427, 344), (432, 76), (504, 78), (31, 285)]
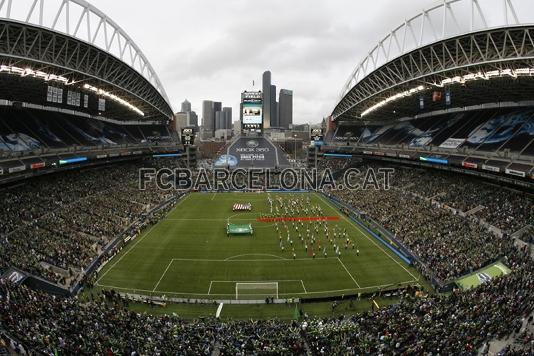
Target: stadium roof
[(79, 20), (454, 46)]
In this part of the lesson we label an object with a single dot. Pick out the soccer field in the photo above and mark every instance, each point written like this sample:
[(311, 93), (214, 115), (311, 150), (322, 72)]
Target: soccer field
[(188, 254)]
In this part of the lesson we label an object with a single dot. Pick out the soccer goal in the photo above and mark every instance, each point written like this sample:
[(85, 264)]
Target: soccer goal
[(256, 290)]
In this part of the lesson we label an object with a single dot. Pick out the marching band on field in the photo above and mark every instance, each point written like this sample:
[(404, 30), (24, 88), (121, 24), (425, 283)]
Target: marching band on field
[(304, 222)]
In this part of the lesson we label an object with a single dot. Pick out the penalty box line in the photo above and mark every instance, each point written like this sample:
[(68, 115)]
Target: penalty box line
[(277, 281), (149, 292)]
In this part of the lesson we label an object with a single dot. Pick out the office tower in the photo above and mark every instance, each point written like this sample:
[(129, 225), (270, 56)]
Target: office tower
[(180, 120), (267, 109), (192, 119), (217, 106), (186, 106), (274, 113), (227, 118), (208, 117), (219, 120), (286, 108)]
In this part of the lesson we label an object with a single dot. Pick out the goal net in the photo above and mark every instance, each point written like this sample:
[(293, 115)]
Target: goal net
[(256, 290)]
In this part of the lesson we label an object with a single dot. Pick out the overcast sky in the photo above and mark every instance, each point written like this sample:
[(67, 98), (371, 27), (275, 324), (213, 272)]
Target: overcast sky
[(214, 49)]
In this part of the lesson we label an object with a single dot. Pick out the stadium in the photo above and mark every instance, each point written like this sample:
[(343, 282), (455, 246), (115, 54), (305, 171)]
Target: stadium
[(104, 250)]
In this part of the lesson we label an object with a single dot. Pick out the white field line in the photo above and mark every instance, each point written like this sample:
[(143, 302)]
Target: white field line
[(127, 252), (254, 260), (256, 254), (303, 287), (233, 294), (369, 238), (163, 275), (263, 281), (209, 289), (131, 247), (220, 219), (354, 280)]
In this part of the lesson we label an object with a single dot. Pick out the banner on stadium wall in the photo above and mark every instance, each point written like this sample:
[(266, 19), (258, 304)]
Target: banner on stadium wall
[(367, 152), (17, 169), (491, 168), (389, 154), (37, 165), (435, 160), (113, 155), (101, 156), (470, 165), (404, 156), (516, 173), (1, 171), (452, 143), (381, 154)]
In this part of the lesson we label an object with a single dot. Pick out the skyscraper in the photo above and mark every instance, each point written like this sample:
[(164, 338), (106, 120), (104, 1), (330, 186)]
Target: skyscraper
[(180, 120), (186, 106), (208, 117), (286, 108), (220, 121), (217, 106), (192, 119), (274, 112), (267, 108), (227, 118)]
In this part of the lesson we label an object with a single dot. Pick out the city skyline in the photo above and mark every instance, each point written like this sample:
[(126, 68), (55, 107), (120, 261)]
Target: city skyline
[(310, 49)]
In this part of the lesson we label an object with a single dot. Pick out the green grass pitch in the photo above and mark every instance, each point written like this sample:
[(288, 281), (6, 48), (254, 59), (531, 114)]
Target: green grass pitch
[(188, 254)]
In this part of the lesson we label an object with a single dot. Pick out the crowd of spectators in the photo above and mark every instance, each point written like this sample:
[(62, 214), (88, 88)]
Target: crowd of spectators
[(65, 221), (54, 226), (523, 345), (448, 244), (105, 326), (455, 324), (507, 209), (459, 323)]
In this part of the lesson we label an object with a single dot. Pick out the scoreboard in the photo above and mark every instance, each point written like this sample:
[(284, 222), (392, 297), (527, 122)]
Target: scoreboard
[(252, 111)]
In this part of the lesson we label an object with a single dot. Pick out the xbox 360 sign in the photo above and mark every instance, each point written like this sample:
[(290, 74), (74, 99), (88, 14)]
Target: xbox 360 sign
[(252, 144), (188, 136), (317, 137), (251, 150)]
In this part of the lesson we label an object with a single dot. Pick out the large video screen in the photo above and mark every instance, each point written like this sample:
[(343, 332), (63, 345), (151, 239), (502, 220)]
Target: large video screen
[(252, 114)]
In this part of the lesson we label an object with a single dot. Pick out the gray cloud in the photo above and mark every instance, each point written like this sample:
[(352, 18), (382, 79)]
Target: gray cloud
[(209, 49)]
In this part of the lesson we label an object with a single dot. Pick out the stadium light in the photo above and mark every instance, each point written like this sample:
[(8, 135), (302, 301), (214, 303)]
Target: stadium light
[(459, 79), (114, 98), (395, 97), (28, 72), (514, 73)]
